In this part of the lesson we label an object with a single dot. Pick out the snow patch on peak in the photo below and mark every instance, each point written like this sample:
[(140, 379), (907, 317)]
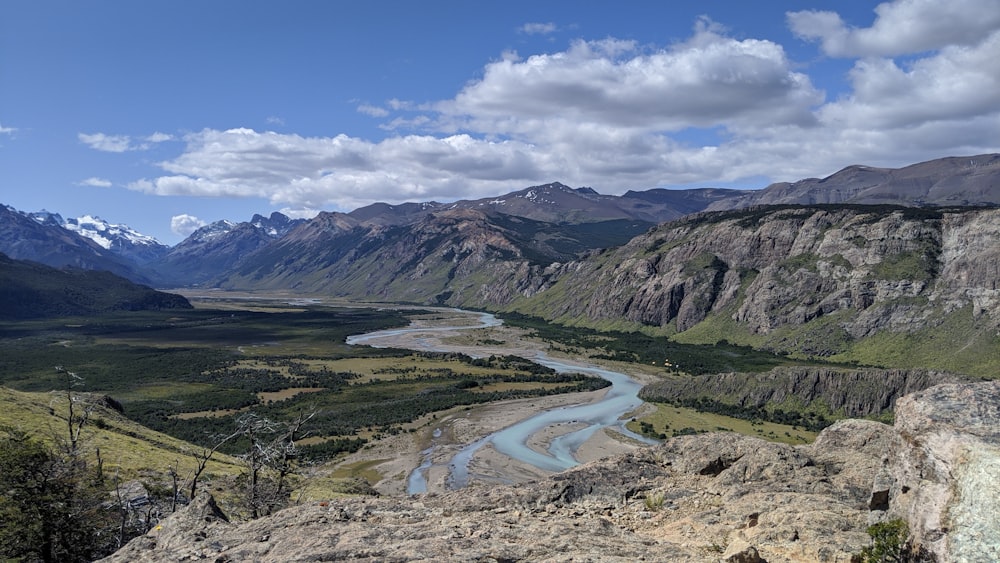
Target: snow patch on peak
[(108, 234)]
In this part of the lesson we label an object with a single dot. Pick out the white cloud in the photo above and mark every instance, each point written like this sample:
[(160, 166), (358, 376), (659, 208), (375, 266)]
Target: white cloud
[(274, 120), (956, 84), (7, 130), (96, 182), (314, 173), (184, 224), (373, 111), (901, 27), (300, 213), (121, 143), (707, 81), (106, 143), (616, 116), (535, 28), (159, 137)]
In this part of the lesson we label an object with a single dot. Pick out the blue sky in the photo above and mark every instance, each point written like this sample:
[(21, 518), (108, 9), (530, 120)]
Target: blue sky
[(165, 115)]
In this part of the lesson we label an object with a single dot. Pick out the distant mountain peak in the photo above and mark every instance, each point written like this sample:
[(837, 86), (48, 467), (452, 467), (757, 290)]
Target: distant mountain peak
[(117, 238)]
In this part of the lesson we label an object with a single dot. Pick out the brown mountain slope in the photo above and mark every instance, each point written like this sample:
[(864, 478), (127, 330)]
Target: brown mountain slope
[(962, 180)]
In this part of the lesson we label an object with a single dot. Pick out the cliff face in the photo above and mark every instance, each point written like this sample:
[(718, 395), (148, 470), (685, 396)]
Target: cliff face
[(847, 272), (941, 470), (866, 392), (711, 497)]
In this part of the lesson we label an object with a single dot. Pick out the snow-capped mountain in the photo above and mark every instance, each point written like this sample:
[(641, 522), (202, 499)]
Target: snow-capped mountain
[(217, 247), (116, 238), (43, 239), (209, 232)]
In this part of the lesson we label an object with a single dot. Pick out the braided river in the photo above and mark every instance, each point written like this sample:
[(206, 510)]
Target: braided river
[(513, 441)]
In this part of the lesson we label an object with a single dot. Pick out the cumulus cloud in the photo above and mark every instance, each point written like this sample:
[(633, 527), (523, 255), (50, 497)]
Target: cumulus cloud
[(96, 182), (616, 115), (901, 27), (313, 172), (300, 213), (707, 81), (159, 137), (184, 224)]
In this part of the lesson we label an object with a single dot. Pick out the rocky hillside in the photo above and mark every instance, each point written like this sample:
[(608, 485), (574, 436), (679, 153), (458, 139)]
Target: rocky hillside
[(856, 393), (813, 280), (217, 248), (710, 497), (456, 256)]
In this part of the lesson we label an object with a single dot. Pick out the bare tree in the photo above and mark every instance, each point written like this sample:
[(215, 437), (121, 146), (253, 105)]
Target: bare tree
[(201, 458), (269, 460), (74, 421)]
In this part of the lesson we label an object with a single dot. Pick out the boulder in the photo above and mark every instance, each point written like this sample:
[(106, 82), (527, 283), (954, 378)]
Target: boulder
[(940, 474)]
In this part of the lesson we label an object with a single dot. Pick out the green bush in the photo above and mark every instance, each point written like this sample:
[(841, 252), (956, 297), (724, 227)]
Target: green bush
[(888, 542)]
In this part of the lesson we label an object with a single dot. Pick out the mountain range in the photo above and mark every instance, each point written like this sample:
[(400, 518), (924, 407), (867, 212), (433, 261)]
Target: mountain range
[(822, 267)]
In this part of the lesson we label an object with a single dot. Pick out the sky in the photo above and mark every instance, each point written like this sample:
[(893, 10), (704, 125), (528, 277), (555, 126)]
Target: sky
[(166, 115)]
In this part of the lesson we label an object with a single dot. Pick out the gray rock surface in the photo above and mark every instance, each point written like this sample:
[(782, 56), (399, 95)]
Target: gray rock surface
[(872, 270), (942, 473), (710, 497)]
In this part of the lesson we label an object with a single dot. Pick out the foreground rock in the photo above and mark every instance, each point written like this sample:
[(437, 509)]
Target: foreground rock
[(942, 472), (695, 498), (712, 497)]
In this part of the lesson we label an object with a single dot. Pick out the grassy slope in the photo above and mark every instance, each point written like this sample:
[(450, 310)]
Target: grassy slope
[(959, 344), (672, 420), (126, 446)]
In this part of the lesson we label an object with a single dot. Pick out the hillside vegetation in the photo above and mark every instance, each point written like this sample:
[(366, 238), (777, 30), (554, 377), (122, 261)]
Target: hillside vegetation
[(29, 290)]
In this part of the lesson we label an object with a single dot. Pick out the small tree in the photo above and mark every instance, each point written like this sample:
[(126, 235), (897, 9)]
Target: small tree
[(269, 460), (76, 418), (201, 458), (888, 542), (50, 509)]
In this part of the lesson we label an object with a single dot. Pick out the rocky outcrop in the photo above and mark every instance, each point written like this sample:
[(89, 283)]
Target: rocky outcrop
[(940, 474), (968, 180), (716, 497), (851, 392), (710, 497)]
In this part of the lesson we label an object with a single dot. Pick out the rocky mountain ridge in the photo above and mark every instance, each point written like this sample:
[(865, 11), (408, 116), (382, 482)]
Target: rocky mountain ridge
[(704, 498), (805, 279), (23, 237), (216, 248), (119, 239), (853, 392)]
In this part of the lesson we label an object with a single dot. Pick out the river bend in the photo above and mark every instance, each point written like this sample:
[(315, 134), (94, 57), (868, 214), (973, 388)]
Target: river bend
[(560, 454)]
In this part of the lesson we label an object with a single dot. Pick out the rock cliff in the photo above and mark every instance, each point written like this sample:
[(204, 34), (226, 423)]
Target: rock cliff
[(778, 266), (862, 392), (712, 497), (942, 467), (810, 280)]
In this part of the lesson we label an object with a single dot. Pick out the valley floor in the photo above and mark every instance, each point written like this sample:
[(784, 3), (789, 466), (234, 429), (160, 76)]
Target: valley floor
[(394, 458)]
